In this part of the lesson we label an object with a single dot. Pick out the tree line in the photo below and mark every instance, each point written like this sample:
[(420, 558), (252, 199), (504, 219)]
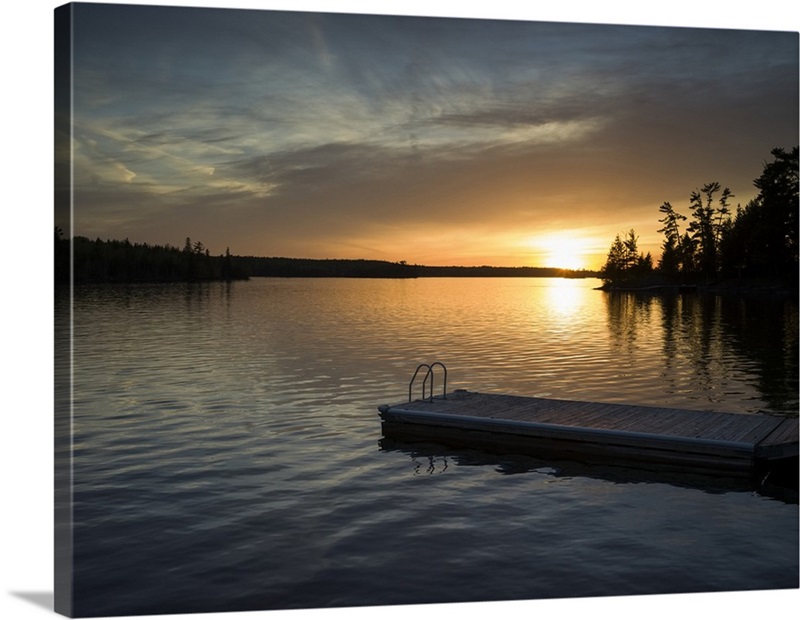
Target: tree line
[(97, 261), (122, 261), (714, 245)]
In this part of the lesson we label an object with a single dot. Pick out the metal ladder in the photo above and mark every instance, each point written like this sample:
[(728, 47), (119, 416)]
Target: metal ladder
[(425, 380)]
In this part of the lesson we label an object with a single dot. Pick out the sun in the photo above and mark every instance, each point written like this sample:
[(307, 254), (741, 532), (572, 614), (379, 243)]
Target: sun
[(561, 251), (564, 258)]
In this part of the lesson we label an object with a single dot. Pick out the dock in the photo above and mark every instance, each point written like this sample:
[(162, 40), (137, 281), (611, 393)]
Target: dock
[(686, 440)]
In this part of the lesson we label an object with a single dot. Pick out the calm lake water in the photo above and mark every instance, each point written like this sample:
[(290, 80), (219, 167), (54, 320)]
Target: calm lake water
[(228, 454)]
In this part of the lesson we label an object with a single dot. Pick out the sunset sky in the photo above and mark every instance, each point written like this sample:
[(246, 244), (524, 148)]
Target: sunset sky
[(431, 140)]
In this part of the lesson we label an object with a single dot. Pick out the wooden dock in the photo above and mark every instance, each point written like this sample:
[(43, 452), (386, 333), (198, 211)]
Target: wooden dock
[(659, 436)]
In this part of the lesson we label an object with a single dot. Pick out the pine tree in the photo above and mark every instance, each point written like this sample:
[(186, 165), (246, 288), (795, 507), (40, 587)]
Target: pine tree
[(671, 262)]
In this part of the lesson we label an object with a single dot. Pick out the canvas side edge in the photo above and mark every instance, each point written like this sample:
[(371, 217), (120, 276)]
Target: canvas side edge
[(62, 168)]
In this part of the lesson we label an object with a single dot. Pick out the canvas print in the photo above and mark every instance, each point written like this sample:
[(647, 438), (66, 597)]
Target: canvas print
[(372, 310)]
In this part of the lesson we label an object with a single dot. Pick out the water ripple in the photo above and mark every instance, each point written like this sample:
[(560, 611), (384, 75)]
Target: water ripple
[(227, 452)]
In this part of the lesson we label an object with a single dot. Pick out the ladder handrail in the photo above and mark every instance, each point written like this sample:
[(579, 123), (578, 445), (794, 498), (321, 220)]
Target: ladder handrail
[(427, 374), (430, 374), (444, 387)]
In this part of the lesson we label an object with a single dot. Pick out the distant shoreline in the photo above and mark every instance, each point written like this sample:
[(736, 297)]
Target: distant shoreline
[(366, 268), (114, 261)]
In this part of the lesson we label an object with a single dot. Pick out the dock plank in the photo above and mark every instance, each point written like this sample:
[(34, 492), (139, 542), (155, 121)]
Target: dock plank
[(785, 432), (781, 442), (661, 434)]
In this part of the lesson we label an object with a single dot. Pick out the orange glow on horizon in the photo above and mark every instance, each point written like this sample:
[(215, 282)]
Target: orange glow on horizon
[(562, 251), (558, 248)]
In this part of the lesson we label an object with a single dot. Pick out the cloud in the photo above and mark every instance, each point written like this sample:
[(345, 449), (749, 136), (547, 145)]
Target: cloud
[(288, 130)]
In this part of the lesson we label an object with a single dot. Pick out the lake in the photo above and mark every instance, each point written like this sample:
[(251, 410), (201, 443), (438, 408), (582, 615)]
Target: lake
[(228, 452)]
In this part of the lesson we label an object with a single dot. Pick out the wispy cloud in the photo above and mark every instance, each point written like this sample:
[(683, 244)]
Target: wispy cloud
[(324, 131)]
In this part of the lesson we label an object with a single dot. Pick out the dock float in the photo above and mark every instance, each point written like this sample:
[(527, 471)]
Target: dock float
[(678, 439)]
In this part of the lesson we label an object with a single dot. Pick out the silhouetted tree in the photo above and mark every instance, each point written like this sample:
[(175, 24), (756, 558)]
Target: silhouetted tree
[(624, 263), (672, 252), (778, 197), (61, 258), (764, 233), (708, 223), (124, 261), (760, 240), (616, 261), (227, 265)]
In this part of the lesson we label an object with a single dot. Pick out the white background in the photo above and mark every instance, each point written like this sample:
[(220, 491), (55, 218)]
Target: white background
[(26, 402)]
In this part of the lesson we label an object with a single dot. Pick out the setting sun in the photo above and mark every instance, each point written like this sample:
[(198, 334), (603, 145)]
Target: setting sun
[(562, 251)]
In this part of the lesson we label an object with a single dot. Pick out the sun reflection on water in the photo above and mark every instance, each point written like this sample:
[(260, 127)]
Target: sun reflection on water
[(565, 296)]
